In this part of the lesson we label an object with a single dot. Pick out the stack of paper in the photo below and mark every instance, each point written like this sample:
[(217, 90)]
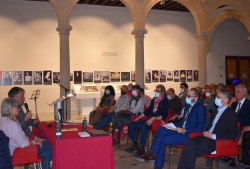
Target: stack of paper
[(169, 126), (83, 134)]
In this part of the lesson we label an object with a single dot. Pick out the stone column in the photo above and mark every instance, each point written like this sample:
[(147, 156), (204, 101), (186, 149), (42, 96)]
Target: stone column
[(65, 65), (139, 56), (202, 62)]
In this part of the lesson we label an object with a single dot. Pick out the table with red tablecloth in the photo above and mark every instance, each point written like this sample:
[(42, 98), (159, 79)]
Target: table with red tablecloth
[(74, 152)]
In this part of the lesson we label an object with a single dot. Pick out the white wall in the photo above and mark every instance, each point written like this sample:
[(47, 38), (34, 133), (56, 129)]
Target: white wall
[(29, 41)]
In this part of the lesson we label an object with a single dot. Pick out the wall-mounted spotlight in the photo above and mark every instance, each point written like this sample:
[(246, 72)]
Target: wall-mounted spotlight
[(162, 2)]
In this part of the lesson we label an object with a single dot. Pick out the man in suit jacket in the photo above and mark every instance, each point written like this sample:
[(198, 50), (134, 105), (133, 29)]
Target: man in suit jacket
[(183, 92), (223, 125), (190, 118)]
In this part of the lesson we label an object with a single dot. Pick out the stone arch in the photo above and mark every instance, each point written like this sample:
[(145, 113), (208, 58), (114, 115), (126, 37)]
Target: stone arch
[(222, 16)]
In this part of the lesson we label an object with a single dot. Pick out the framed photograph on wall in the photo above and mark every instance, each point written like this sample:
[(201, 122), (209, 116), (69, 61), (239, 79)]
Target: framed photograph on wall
[(125, 76), (71, 76), (56, 77), (87, 76), (97, 76), (115, 76), (170, 75), (189, 75), (78, 77), (183, 75), (27, 76), (155, 76), (196, 75), (17, 77), (162, 75), (176, 76), (1, 78), (47, 80), (7, 79), (132, 76), (38, 77), (105, 76), (148, 76)]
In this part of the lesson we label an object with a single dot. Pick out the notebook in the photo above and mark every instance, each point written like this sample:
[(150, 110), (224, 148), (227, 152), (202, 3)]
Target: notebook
[(98, 133)]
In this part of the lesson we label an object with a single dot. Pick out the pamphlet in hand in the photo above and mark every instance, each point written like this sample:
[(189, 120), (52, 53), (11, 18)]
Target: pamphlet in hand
[(169, 126)]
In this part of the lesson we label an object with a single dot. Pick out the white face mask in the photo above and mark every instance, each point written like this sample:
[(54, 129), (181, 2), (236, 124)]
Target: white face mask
[(218, 102), (208, 94), (134, 93), (107, 92), (182, 90), (129, 88), (169, 97), (157, 94), (189, 101)]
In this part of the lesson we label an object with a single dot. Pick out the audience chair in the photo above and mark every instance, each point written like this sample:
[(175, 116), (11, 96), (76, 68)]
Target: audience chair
[(26, 155)]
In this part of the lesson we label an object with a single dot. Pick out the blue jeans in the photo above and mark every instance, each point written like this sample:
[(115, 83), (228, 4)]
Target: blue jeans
[(45, 152), (105, 119), (138, 125)]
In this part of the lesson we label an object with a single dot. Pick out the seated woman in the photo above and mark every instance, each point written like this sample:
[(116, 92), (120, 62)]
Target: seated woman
[(106, 102), (122, 117), (209, 103), (158, 110), (12, 129)]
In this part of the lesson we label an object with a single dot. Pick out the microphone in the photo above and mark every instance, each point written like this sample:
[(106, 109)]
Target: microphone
[(26, 107)]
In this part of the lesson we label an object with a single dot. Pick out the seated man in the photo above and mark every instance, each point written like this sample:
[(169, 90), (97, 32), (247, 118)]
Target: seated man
[(145, 98), (174, 101), (223, 125), (183, 92), (24, 119), (123, 116), (158, 110), (190, 118), (122, 102)]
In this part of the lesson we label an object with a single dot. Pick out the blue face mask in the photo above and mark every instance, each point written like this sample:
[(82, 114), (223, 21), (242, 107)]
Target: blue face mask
[(169, 97), (157, 94), (107, 92), (189, 101), (218, 102), (129, 88)]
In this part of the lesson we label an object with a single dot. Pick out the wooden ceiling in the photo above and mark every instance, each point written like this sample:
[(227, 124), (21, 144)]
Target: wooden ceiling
[(169, 5)]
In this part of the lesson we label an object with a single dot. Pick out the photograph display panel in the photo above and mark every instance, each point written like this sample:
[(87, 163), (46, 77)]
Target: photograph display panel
[(196, 75), (56, 77), (148, 76), (71, 77), (47, 77), (155, 76), (183, 75), (87, 76), (7, 79), (17, 77), (170, 75), (27, 77), (162, 75), (176, 76), (38, 77), (115, 76), (132, 76), (77, 77), (106, 76), (125, 76), (1, 78), (97, 76), (189, 75)]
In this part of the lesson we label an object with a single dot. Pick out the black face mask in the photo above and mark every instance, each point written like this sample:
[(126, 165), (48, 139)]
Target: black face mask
[(123, 93)]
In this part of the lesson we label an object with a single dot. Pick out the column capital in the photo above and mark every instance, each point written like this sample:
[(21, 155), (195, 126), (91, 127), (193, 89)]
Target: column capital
[(139, 33), (202, 36), (64, 29)]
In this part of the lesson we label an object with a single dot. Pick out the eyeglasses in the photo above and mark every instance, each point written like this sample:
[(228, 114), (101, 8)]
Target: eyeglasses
[(221, 97), (157, 91), (191, 96)]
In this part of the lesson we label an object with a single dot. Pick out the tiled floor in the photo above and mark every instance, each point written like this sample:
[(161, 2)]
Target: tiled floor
[(124, 160)]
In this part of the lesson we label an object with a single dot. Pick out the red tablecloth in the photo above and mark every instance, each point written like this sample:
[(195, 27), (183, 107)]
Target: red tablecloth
[(74, 152)]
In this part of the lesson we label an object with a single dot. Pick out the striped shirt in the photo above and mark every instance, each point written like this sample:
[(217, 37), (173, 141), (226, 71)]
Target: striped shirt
[(122, 101)]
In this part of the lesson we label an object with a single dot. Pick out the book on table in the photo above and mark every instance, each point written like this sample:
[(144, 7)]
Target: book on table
[(98, 133), (83, 134), (169, 126)]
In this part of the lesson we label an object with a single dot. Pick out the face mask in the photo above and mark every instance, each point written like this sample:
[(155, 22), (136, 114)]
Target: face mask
[(203, 90), (129, 88), (134, 93), (218, 102), (182, 90), (188, 100), (107, 92), (207, 94), (123, 93), (169, 97), (157, 94)]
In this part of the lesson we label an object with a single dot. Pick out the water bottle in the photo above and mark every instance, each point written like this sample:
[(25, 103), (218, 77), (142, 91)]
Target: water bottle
[(58, 128), (84, 125)]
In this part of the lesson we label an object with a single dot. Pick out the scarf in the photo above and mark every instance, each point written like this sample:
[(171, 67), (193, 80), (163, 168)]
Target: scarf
[(157, 101)]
